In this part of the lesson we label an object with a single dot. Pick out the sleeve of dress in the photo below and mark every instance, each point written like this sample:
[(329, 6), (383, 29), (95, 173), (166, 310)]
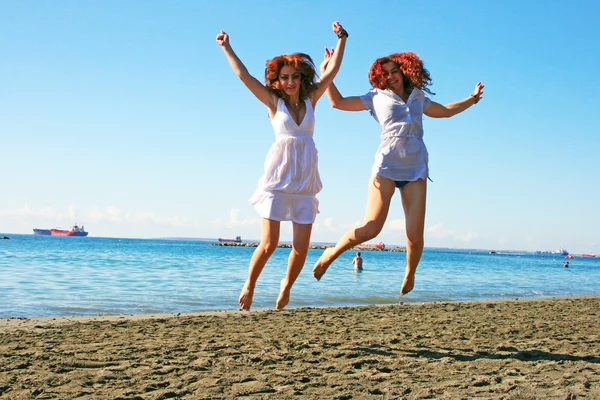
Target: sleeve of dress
[(426, 102), (367, 100)]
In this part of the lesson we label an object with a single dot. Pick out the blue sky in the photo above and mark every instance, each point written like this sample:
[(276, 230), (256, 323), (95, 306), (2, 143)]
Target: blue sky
[(126, 116)]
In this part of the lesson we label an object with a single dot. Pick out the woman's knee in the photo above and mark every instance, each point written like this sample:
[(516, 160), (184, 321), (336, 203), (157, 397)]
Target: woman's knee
[(268, 247), (299, 252), (368, 231), (415, 240)]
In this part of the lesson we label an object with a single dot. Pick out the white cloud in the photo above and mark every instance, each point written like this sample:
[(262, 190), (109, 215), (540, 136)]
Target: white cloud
[(327, 226), (467, 237), (26, 212), (95, 215), (116, 215), (235, 221), (113, 214), (110, 214), (330, 230), (351, 225), (396, 225), (439, 233)]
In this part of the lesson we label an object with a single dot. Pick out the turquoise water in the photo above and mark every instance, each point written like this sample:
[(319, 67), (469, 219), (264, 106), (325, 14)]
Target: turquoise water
[(67, 276)]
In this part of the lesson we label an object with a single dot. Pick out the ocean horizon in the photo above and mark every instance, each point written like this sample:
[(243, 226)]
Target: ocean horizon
[(315, 243)]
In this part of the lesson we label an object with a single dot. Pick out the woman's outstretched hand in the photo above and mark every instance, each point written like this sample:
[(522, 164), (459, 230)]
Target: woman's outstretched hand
[(478, 92), (223, 39), (326, 57), (337, 27)]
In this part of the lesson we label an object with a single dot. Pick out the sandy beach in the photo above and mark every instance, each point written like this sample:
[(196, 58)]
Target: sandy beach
[(514, 349)]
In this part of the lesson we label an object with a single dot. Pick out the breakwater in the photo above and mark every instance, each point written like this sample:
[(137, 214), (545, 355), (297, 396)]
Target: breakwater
[(317, 247)]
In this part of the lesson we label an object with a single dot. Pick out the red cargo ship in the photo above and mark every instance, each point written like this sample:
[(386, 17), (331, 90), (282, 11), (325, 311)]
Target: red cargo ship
[(74, 231)]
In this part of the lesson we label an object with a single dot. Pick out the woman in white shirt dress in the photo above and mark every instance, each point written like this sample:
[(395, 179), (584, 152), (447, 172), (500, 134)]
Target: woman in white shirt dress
[(397, 102), (287, 190)]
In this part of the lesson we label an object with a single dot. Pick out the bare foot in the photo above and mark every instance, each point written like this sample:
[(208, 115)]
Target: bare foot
[(408, 284), (323, 263), (245, 300), (284, 296)]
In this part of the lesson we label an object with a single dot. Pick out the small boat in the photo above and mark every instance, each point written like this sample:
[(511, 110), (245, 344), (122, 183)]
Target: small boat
[(74, 231), (570, 256), (493, 252), (588, 255), (238, 239)]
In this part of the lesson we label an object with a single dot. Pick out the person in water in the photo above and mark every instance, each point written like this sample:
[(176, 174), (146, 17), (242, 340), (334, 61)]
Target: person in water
[(288, 188), (398, 99), (357, 262)]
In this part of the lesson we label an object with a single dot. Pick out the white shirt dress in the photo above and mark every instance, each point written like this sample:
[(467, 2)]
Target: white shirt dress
[(402, 155)]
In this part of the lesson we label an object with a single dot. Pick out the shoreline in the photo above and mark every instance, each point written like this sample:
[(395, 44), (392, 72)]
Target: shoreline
[(25, 323), (497, 349)]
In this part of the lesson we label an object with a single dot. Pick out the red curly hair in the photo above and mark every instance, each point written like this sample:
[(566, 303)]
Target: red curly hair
[(414, 74), (303, 64)]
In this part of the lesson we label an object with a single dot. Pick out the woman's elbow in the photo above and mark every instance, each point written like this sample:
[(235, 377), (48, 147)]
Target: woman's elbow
[(244, 75), (438, 115)]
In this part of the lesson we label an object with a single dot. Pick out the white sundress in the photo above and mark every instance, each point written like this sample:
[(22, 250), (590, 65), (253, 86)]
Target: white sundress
[(287, 190)]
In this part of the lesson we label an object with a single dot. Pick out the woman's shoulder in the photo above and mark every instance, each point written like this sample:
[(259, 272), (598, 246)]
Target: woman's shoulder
[(371, 92), (419, 93)]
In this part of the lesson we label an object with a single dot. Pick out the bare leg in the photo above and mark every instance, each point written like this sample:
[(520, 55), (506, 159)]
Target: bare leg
[(300, 244), (379, 198), (414, 197), (268, 243)]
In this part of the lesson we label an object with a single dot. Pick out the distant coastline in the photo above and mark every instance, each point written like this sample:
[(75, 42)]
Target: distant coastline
[(314, 247), (318, 245)]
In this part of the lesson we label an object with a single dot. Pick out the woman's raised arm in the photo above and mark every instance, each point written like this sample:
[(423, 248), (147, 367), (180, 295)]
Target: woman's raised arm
[(336, 99), (335, 62), (258, 89)]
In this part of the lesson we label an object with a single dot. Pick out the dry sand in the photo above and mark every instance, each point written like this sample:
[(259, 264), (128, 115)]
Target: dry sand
[(516, 349)]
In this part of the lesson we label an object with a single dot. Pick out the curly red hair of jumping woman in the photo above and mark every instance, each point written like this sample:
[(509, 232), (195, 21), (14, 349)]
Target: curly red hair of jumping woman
[(414, 73), (303, 64)]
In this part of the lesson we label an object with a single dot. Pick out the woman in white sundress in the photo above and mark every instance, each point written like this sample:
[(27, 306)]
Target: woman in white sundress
[(287, 190)]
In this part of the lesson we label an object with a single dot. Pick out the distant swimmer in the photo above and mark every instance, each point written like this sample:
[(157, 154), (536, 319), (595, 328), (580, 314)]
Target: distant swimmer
[(357, 262), (566, 264)]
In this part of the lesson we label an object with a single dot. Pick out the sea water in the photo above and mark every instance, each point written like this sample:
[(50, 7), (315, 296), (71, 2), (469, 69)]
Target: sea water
[(42, 276)]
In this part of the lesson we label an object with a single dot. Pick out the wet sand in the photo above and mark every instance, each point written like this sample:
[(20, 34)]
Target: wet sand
[(514, 349)]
